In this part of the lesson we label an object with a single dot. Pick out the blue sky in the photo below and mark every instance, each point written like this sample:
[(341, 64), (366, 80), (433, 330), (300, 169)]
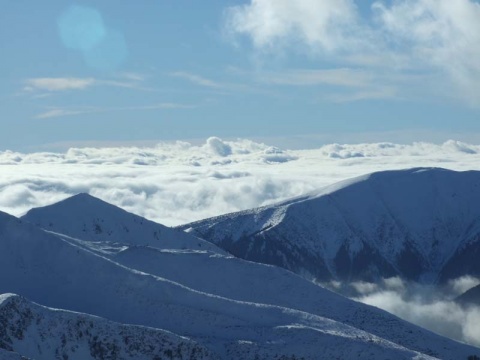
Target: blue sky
[(90, 72)]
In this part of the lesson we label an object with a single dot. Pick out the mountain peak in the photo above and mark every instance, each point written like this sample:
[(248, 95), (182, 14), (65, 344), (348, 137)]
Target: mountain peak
[(82, 199), (88, 218)]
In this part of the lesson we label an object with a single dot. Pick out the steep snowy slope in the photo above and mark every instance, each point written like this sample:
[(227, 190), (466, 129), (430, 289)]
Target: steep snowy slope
[(420, 224), (59, 271), (59, 274), (44, 334), (86, 217)]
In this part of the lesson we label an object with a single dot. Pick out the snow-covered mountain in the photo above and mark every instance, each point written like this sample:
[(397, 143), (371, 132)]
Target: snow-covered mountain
[(188, 296), (88, 218), (420, 224), (39, 332)]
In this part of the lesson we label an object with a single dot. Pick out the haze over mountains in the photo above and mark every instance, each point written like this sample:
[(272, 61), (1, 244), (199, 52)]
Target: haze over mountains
[(421, 224), (85, 255)]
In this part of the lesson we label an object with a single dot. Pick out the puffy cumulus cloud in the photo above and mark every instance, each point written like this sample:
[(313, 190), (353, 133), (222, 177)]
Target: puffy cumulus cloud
[(428, 306), (402, 36), (175, 183), (219, 147)]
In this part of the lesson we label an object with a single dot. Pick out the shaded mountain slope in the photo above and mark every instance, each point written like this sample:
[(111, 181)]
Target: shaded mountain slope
[(60, 274), (420, 224), (215, 300)]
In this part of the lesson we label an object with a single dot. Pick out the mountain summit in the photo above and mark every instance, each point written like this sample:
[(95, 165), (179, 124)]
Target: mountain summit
[(422, 224), (88, 218)]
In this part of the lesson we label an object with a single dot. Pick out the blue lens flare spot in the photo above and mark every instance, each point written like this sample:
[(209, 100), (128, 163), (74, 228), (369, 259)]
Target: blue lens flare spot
[(81, 28)]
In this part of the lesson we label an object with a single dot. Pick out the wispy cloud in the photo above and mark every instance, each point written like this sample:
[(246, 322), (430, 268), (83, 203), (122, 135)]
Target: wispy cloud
[(337, 77), (61, 113), (379, 93), (349, 84), (133, 76), (56, 112), (197, 79), (58, 84)]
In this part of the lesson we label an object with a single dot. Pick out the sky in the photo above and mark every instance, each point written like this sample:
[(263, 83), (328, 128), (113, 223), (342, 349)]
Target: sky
[(295, 74)]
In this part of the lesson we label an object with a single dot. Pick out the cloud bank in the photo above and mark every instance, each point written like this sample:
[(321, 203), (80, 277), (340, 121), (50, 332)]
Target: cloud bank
[(175, 183)]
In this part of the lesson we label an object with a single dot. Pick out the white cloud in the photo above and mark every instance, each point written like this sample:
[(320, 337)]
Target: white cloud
[(219, 147), (175, 183), (461, 285), (429, 307), (420, 36), (440, 33), (58, 84), (321, 25)]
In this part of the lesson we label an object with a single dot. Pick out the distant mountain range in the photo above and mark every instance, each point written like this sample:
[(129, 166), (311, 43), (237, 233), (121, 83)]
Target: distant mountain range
[(420, 224), (134, 289)]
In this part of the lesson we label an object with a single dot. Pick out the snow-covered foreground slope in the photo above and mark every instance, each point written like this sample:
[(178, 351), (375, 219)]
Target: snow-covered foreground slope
[(420, 224), (59, 274), (42, 333), (86, 217), (234, 307)]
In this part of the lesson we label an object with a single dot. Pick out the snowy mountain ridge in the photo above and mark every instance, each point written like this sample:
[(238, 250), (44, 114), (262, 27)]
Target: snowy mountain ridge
[(231, 307), (39, 332), (421, 224), (81, 216)]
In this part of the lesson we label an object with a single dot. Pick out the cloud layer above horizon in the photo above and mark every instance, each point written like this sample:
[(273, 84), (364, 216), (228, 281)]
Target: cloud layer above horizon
[(176, 183)]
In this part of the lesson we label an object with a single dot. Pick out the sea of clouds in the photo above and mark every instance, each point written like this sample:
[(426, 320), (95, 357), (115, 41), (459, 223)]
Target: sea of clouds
[(176, 183)]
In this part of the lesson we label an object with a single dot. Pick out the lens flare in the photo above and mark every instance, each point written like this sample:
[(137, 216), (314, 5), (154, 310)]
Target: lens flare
[(81, 28)]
